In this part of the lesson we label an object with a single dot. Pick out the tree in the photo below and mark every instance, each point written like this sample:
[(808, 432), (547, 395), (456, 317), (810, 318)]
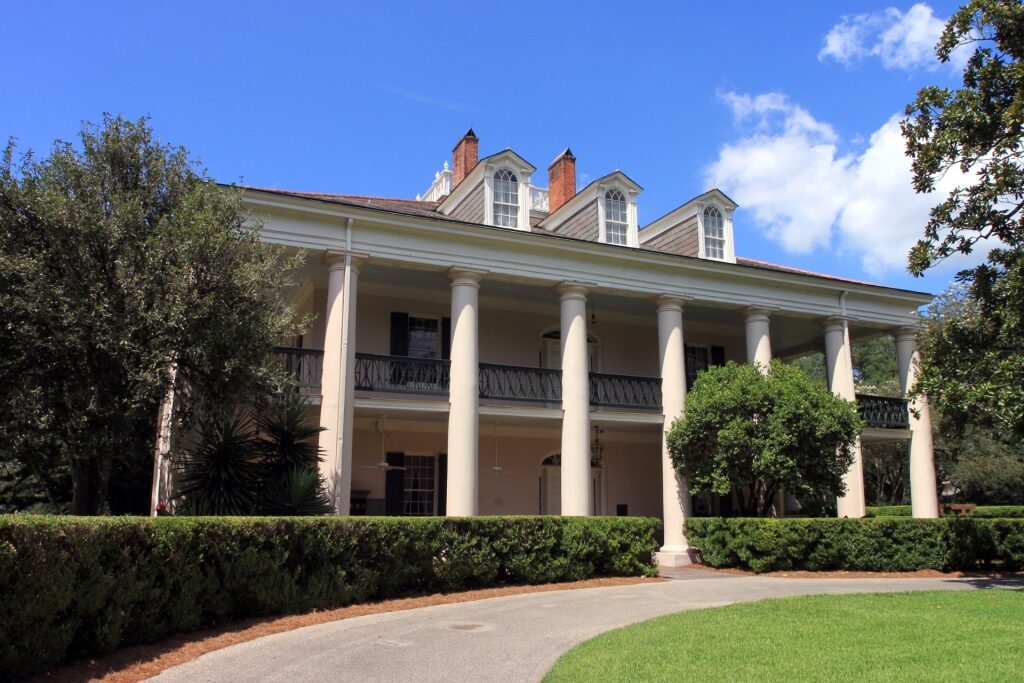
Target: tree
[(120, 260), (875, 369), (973, 365), (985, 468), (748, 434)]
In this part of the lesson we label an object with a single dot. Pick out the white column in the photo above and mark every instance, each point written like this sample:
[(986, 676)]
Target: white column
[(923, 494), (337, 388), (759, 345), (576, 492), (839, 363), (464, 396), (162, 472), (759, 353), (675, 495), (348, 387)]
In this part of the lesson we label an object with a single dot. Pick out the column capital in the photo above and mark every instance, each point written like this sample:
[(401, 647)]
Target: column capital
[(465, 277), (834, 322), (572, 290), (906, 333), (671, 302), (336, 258), (758, 313)]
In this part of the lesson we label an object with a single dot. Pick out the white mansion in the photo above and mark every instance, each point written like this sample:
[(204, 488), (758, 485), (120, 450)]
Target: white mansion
[(493, 347)]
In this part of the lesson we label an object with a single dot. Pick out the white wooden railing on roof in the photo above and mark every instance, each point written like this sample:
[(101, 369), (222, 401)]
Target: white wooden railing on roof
[(441, 187), (538, 198)]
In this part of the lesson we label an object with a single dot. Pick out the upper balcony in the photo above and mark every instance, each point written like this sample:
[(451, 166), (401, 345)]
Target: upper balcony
[(428, 376)]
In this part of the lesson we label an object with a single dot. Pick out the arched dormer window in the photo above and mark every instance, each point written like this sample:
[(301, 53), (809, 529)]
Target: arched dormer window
[(616, 221), (714, 233), (506, 198)]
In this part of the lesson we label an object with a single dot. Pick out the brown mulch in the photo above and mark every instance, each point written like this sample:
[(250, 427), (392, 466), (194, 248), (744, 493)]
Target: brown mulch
[(139, 662), (919, 574)]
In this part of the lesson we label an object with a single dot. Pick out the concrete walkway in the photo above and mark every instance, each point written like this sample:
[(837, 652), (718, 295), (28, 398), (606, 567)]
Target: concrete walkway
[(513, 638)]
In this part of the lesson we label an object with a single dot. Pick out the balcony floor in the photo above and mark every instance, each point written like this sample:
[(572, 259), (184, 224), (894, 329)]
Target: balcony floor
[(526, 415)]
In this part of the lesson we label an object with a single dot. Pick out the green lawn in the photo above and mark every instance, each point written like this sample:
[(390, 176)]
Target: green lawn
[(929, 636)]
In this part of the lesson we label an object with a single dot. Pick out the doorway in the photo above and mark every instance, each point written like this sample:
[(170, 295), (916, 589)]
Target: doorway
[(551, 487)]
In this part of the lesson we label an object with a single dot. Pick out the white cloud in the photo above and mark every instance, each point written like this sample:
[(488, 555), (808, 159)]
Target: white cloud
[(806, 194), (900, 40)]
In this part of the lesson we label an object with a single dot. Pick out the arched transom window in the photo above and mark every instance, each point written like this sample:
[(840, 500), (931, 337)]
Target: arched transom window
[(714, 233), (615, 221), (506, 199), (551, 351)]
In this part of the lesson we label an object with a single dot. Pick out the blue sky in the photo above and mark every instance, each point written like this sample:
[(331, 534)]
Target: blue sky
[(791, 108)]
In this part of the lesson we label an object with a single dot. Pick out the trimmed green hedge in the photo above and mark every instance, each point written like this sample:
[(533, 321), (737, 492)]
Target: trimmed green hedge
[(983, 511), (998, 512), (889, 511), (71, 587), (879, 544)]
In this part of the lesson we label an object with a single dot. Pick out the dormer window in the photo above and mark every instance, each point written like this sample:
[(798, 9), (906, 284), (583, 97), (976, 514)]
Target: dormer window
[(714, 234), (506, 198), (616, 218)]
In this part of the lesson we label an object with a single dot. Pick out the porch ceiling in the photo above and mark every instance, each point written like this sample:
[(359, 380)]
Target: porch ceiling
[(791, 335)]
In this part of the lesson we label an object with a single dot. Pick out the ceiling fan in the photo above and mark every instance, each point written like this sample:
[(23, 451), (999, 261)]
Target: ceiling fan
[(383, 464), (496, 468)]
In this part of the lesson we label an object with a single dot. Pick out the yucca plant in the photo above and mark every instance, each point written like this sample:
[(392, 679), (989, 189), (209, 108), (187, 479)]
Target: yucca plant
[(287, 437), (300, 492), (291, 459), (222, 474)]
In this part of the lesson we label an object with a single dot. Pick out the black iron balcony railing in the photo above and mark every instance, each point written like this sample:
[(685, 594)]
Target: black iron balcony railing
[(305, 365), (883, 412), (401, 374), (513, 383), (624, 391)]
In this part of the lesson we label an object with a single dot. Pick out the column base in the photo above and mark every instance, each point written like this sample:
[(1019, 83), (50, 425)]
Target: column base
[(677, 556)]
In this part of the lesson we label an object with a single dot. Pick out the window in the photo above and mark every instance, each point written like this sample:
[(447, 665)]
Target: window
[(506, 199), (551, 350), (697, 361), (700, 358), (714, 233), (615, 222), (419, 495), (423, 337)]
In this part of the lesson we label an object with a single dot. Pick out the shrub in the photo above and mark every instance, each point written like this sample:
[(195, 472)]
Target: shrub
[(75, 587), (998, 511), (880, 544), (889, 511), (982, 511)]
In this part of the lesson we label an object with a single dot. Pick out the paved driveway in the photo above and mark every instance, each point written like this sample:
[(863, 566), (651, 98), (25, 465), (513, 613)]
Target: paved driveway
[(513, 638)]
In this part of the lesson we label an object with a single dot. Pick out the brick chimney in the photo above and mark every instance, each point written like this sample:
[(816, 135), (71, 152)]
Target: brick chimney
[(561, 180), (464, 157)]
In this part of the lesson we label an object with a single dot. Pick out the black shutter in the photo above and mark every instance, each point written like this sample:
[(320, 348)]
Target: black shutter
[(399, 346), (442, 484), (446, 338), (399, 334), (394, 485), (717, 355), (691, 372)]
